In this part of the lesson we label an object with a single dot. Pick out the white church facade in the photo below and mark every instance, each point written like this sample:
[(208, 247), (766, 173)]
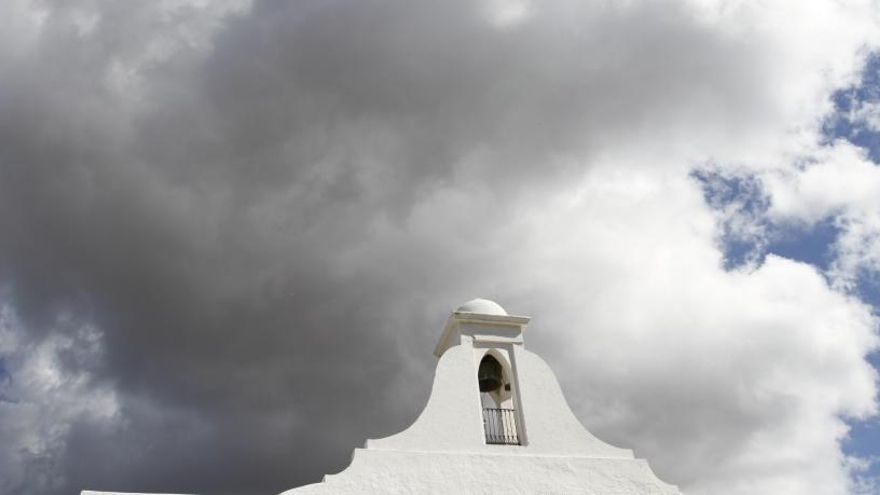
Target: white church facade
[(496, 422)]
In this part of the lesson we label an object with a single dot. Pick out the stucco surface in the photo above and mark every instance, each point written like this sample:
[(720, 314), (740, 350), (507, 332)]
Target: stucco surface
[(392, 472)]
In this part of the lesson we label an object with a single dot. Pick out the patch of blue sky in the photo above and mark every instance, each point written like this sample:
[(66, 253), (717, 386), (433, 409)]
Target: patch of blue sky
[(812, 244), (744, 224), (747, 235), (844, 122)]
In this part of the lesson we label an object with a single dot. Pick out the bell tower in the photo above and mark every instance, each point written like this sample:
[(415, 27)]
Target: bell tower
[(486, 327), (494, 408)]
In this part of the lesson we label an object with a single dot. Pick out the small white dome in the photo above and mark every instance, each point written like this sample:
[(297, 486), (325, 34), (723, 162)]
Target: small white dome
[(483, 307)]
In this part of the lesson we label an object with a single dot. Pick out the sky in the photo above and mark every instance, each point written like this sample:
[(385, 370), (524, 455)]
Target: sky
[(231, 231)]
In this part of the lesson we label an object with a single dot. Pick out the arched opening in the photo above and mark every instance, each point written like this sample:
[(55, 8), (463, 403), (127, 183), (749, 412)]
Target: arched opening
[(497, 400)]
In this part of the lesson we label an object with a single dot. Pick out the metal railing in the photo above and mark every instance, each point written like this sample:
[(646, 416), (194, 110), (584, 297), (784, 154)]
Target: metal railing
[(500, 426)]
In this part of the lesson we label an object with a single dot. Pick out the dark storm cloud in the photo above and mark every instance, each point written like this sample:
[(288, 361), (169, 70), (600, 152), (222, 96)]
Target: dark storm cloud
[(219, 212), (243, 354)]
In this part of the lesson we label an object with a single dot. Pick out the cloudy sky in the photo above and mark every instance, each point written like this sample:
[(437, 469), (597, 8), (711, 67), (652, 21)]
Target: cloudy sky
[(231, 231)]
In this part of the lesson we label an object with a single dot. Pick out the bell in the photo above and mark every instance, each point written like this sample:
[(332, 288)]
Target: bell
[(489, 374)]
